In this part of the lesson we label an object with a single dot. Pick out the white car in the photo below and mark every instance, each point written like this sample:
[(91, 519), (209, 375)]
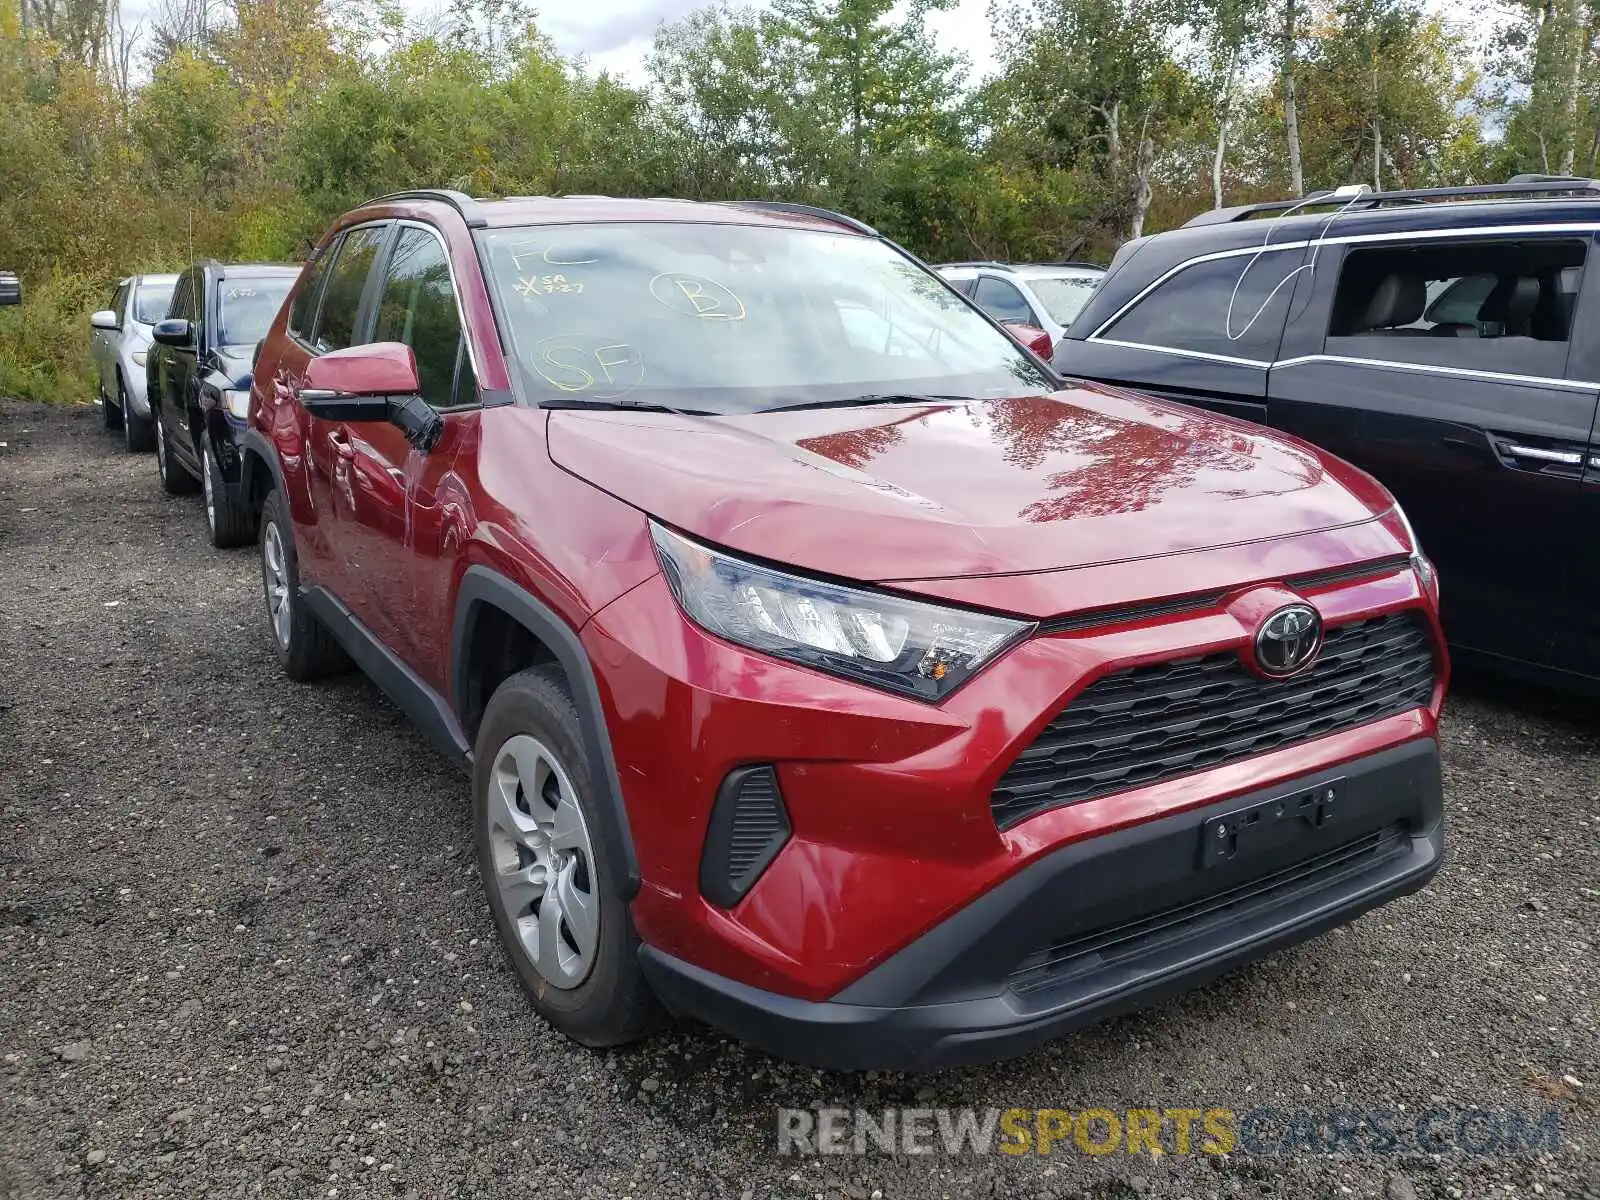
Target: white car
[(119, 343), (1045, 295)]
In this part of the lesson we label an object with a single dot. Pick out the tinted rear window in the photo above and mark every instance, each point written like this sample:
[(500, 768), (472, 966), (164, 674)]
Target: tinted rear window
[(341, 302)]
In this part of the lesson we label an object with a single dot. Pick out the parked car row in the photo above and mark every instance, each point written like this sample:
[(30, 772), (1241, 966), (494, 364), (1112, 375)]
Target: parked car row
[(173, 359), (824, 665)]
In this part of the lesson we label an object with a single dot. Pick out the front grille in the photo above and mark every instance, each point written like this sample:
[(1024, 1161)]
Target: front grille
[(1119, 946), (1151, 723)]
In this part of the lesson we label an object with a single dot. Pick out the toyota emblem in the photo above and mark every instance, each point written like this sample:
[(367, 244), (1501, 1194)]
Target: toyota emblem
[(1288, 641)]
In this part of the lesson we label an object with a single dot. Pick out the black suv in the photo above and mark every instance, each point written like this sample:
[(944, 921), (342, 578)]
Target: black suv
[(198, 381), (1430, 336)]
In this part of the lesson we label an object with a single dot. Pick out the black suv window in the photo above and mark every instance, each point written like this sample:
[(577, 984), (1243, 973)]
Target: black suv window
[(1492, 305), (1002, 301), (303, 312), (183, 299), (1234, 306), (418, 307), (341, 305)]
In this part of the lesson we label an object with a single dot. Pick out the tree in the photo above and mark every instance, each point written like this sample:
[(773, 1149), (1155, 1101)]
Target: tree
[(1092, 85), (1384, 82), (1547, 87), (1291, 101), (1232, 32)]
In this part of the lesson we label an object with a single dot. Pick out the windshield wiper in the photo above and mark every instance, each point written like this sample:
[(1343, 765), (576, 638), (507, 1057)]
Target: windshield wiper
[(634, 405), (872, 398)]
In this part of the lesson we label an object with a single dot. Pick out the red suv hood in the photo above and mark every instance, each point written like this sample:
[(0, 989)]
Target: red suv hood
[(1089, 475)]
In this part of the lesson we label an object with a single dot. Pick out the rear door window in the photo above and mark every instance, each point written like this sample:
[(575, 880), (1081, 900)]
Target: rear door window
[(1002, 301), (347, 281), (1488, 304), (1233, 306)]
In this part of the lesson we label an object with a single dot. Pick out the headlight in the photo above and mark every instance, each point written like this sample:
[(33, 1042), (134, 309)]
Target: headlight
[(140, 355), (901, 645), (237, 403)]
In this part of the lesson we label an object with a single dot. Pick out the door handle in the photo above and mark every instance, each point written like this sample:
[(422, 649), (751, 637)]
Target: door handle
[(342, 444), (1541, 454)]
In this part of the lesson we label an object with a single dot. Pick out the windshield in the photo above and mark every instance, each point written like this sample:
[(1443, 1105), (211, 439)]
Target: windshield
[(733, 318), (1064, 295), (151, 300), (248, 306)]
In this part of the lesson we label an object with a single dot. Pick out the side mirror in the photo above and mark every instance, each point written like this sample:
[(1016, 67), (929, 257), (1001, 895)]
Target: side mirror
[(10, 288), (377, 382), (104, 319), (174, 331), (1032, 337)]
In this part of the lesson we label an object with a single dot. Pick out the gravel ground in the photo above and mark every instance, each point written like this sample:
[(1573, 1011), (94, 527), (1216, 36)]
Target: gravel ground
[(242, 948)]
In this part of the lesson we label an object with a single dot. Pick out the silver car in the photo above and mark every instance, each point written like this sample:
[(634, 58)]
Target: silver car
[(1042, 295), (119, 343)]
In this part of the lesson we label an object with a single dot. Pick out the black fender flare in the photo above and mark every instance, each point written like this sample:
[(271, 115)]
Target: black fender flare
[(483, 587), (254, 446)]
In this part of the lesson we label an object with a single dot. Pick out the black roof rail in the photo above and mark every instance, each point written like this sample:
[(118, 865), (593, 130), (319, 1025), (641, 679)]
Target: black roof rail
[(1535, 177), (977, 262), (1520, 185), (464, 204), (1071, 262), (804, 210)]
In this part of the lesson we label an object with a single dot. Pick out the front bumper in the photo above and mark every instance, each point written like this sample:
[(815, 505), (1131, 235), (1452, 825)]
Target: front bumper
[(1105, 924)]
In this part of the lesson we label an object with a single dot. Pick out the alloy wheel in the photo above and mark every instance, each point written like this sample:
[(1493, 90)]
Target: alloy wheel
[(275, 578), (544, 861), (207, 464)]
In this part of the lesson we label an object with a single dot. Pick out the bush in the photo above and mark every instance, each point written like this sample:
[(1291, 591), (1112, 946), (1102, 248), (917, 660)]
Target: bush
[(44, 342)]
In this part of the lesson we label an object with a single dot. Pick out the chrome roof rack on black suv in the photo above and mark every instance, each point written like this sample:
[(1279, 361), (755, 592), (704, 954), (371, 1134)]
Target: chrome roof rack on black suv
[(464, 204), (1361, 196)]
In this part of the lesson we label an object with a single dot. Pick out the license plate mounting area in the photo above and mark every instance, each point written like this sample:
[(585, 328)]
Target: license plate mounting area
[(1269, 822)]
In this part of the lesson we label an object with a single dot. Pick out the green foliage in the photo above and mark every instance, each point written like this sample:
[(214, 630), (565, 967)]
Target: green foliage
[(247, 134), (41, 341)]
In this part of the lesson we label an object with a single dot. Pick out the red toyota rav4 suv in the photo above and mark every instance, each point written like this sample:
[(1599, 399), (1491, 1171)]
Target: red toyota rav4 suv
[(826, 668)]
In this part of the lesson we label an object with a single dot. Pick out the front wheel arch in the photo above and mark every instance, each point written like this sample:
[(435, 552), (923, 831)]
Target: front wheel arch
[(484, 592)]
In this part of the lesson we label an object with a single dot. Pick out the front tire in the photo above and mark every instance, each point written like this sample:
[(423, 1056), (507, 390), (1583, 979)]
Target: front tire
[(306, 649), (110, 413), (137, 433), (542, 844), (175, 481), (227, 521)]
